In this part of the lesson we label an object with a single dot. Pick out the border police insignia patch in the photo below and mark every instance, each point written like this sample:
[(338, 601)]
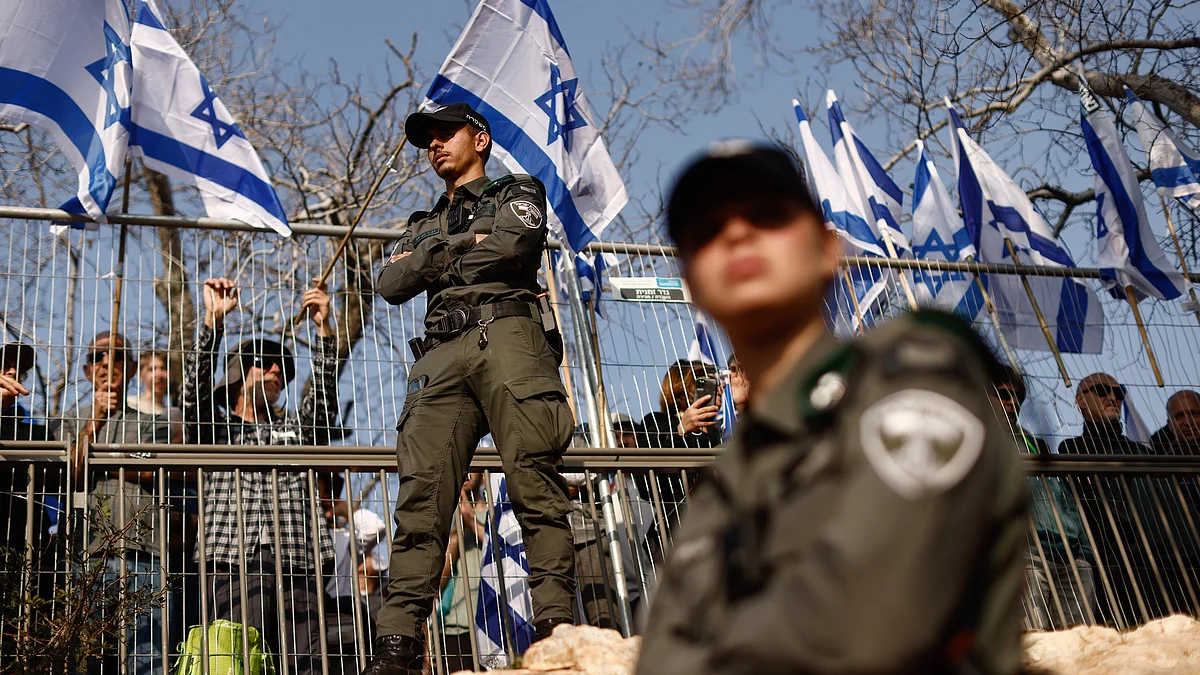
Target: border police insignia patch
[(528, 212), (920, 442)]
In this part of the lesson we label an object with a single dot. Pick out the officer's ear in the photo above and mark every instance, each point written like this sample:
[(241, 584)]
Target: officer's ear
[(483, 145)]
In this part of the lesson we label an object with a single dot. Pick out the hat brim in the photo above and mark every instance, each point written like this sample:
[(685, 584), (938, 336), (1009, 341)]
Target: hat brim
[(235, 369), (25, 357), (419, 126)]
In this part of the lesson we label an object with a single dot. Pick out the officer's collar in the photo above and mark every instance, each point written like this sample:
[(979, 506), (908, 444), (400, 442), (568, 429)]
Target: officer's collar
[(779, 410), (474, 189)]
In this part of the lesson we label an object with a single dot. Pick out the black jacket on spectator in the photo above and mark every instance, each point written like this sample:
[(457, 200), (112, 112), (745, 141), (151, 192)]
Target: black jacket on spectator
[(1135, 506), (661, 432), (1163, 442), (15, 425)]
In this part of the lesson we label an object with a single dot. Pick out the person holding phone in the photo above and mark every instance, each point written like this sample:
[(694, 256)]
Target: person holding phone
[(689, 403)]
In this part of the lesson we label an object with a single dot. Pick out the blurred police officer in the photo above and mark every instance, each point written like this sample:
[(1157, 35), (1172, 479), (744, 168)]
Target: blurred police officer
[(488, 362), (868, 515)]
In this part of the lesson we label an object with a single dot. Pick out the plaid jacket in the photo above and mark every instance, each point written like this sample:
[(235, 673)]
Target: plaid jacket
[(205, 423)]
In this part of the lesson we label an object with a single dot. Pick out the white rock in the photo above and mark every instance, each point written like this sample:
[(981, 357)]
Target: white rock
[(1170, 645)]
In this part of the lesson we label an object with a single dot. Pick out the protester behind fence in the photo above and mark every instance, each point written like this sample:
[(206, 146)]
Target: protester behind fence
[(16, 424), (683, 419), (1181, 434), (1055, 550), (240, 410), (355, 581), (1108, 499), (739, 386), (108, 366), (460, 576)]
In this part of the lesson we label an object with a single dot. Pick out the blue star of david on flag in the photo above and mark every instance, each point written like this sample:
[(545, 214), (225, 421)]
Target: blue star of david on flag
[(105, 72), (548, 102), (207, 112), (948, 251)]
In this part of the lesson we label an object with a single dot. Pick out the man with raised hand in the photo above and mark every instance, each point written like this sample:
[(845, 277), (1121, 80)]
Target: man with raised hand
[(488, 362)]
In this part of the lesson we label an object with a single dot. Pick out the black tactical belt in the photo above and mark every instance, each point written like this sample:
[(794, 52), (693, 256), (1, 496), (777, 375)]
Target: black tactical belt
[(459, 321)]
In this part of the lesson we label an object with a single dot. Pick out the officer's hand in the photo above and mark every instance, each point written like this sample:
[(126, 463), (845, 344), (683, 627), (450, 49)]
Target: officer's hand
[(220, 298), (698, 417), (315, 301), (480, 237)]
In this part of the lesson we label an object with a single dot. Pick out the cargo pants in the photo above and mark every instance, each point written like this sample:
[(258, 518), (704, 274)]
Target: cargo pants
[(458, 393)]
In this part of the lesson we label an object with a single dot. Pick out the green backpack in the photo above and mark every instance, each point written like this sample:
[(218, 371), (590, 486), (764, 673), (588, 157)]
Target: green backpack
[(224, 651)]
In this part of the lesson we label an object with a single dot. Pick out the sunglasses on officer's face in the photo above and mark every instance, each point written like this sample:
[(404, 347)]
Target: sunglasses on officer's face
[(766, 214), (1106, 390)]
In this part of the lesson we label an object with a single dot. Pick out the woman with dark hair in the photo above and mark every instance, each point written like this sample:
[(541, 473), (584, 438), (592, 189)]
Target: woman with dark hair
[(686, 420)]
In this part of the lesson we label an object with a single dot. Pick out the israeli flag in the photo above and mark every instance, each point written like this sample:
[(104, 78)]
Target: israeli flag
[(1135, 427), (590, 267), (65, 67), (182, 129), (704, 349), (1129, 255), (512, 65), (512, 570), (939, 234), (846, 216), (995, 208), (866, 181), (1174, 167)]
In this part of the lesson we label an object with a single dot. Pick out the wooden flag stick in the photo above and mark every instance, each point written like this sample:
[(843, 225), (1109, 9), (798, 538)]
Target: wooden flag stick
[(891, 250), (1037, 311), (1137, 316), (337, 253), (862, 327), (1179, 251), (119, 280), (995, 317)]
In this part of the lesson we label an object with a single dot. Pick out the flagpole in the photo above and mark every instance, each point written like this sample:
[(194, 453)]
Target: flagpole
[(387, 168), (891, 249), (1137, 316), (1037, 311), (854, 300), (1179, 251), (119, 281), (564, 369), (995, 317)]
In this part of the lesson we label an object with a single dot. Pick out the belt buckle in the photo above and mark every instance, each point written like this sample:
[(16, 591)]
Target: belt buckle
[(457, 319)]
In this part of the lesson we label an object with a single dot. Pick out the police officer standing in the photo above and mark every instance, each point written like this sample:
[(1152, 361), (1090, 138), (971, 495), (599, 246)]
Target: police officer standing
[(868, 515), (488, 362)]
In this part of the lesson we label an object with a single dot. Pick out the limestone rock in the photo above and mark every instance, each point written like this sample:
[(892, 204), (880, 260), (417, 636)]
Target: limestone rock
[(1170, 645), (579, 650)]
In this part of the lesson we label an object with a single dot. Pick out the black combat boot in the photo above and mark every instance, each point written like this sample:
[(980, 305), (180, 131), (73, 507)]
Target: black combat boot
[(542, 629), (397, 655)]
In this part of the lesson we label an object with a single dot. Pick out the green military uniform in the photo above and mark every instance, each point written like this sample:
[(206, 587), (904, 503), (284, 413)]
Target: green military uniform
[(495, 372), (868, 517)]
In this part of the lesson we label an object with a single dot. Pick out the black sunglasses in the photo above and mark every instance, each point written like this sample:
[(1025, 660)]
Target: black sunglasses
[(265, 362), (767, 214), (95, 356), (1106, 390), (1006, 394)]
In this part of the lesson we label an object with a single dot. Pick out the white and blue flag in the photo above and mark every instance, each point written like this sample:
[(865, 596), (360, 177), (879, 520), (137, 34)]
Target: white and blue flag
[(994, 209), (512, 65), (510, 571), (181, 129), (590, 268), (1135, 427), (846, 216), (939, 234), (1128, 254), (1174, 167), (704, 349), (65, 67), (866, 181)]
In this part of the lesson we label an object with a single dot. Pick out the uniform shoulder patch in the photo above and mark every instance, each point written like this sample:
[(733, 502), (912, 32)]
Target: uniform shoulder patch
[(527, 212), (920, 442)]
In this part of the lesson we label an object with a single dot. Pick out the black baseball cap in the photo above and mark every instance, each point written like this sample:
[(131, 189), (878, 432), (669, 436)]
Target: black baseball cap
[(15, 353), (762, 176), (419, 124)]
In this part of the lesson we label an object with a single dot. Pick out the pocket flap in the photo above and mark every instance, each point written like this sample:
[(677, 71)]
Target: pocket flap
[(535, 385)]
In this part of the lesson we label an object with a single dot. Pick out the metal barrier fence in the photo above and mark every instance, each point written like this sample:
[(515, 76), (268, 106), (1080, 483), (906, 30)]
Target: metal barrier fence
[(1113, 540)]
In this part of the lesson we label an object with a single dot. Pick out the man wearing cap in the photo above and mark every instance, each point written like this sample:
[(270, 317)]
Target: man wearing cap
[(109, 365), (16, 425), (240, 410), (868, 515), (488, 362)]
